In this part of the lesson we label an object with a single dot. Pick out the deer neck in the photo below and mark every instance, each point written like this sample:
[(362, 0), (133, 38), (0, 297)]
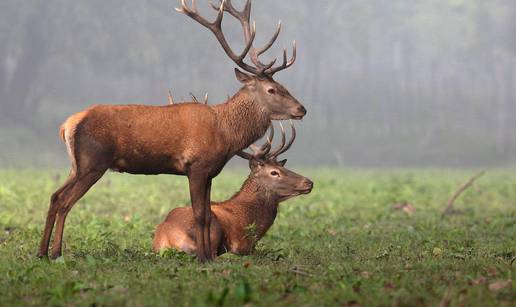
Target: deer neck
[(254, 204), (243, 120)]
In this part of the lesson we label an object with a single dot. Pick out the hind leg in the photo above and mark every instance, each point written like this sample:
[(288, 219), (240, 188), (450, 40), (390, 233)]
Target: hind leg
[(55, 200), (69, 197)]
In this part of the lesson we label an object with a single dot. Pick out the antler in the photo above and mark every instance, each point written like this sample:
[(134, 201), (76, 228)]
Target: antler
[(264, 152), (244, 16), (286, 63), (284, 147), (259, 151), (170, 98), (195, 98), (216, 28)]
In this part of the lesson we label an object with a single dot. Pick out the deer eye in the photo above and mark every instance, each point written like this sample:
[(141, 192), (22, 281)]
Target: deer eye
[(274, 173), (271, 91)]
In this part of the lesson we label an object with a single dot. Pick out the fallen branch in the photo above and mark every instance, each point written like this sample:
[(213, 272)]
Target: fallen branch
[(461, 190), (299, 271)]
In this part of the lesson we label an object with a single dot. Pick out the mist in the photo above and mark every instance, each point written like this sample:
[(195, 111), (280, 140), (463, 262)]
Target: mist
[(386, 83)]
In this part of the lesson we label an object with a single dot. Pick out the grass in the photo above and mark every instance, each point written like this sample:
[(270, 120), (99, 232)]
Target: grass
[(343, 244)]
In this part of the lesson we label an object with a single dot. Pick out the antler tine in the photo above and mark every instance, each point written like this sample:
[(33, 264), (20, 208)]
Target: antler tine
[(244, 155), (170, 98), (254, 148), (286, 64), (276, 151), (216, 28), (290, 142), (256, 61), (259, 152), (228, 7), (265, 148), (255, 53), (194, 5), (216, 8), (271, 42), (194, 98), (192, 12)]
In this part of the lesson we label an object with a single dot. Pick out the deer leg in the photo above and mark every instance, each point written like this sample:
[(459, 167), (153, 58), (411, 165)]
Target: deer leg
[(212, 253), (51, 215), (216, 236), (70, 198), (198, 184)]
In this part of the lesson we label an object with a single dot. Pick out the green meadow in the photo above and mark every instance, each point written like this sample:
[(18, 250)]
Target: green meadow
[(361, 238)]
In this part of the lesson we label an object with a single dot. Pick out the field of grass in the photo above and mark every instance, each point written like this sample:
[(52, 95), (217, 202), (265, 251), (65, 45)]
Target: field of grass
[(344, 244)]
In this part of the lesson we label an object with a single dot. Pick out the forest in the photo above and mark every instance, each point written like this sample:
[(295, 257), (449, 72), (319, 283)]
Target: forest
[(388, 83)]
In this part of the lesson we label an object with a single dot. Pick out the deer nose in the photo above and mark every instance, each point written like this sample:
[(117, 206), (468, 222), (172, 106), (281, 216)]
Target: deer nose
[(308, 184), (298, 112)]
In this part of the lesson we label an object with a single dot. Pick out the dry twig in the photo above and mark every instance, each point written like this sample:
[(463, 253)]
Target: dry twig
[(461, 190), (300, 271), (406, 207)]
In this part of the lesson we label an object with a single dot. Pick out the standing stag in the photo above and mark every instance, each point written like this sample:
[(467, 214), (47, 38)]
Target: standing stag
[(190, 139), (239, 222)]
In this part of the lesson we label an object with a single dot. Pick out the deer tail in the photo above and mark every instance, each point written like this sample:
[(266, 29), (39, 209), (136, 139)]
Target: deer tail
[(62, 133)]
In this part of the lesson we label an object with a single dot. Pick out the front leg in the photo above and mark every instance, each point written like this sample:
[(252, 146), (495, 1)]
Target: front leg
[(199, 188), (210, 251)]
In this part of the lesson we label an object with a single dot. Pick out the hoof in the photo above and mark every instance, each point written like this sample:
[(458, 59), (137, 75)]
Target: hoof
[(54, 256), (41, 255), (204, 259)]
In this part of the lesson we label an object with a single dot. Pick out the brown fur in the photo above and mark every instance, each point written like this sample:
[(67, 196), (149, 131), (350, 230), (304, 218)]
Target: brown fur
[(239, 222), (189, 139)]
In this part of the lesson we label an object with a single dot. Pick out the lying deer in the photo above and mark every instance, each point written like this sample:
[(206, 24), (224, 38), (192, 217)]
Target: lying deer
[(190, 139), (239, 222)]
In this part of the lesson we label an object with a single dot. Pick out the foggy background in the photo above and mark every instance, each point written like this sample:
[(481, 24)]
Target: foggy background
[(387, 83)]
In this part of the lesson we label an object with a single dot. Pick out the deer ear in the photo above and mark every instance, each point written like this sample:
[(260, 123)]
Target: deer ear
[(243, 77), (282, 162)]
